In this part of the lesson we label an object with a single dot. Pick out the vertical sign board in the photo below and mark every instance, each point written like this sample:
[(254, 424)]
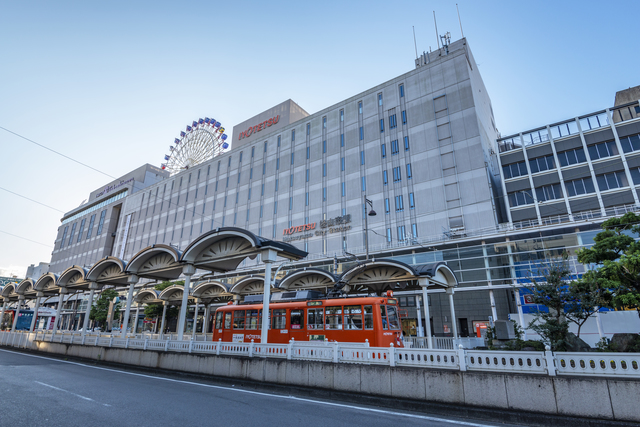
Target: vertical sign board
[(125, 235)]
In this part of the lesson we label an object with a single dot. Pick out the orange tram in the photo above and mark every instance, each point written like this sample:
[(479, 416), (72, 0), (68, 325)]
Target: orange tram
[(340, 319)]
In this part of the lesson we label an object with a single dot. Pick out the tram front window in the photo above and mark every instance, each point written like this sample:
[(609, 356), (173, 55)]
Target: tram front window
[(227, 320), (368, 317), (238, 319), (314, 318), (219, 320), (252, 319), (353, 317), (392, 316), (333, 318), (297, 319), (280, 319)]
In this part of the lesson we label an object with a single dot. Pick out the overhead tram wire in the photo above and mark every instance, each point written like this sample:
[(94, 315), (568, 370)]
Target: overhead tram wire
[(24, 238), (56, 152), (31, 200)]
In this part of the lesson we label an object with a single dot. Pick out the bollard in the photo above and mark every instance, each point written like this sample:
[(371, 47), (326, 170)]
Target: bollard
[(551, 366), (251, 349), (392, 355), (462, 358)]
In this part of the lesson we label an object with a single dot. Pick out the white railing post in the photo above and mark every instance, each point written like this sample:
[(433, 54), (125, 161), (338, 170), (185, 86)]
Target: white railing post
[(126, 343), (251, 349), (71, 340), (462, 358), (551, 367), (190, 346), (335, 352), (218, 346), (111, 341), (146, 343), (392, 355), (366, 342), (290, 349), (83, 338), (166, 345)]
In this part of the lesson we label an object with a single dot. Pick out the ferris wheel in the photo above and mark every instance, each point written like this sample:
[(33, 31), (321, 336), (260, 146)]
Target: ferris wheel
[(202, 141)]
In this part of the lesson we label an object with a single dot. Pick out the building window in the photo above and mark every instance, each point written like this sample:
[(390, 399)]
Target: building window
[(275, 207), (342, 140), (227, 186), (514, 169), (406, 143), (384, 151), (404, 117), (306, 201), (307, 175), (253, 150), (520, 198), (249, 194), (392, 122), (384, 177), (239, 161), (344, 190), (308, 152), (364, 184), (381, 125), (291, 180), (278, 163), (262, 190), (361, 133), (359, 107), (290, 203), (548, 192), (635, 175), (250, 173), (609, 181), (388, 235), (228, 166), (324, 147), (91, 221), (362, 157), (64, 236), (401, 91), (399, 204), (324, 169), (401, 233), (394, 147), (293, 135), (342, 115), (239, 174), (73, 231), (277, 182), (397, 174), (324, 122), (379, 99), (579, 186), (292, 157), (261, 211), (630, 143), (81, 230), (602, 150), (540, 164), (265, 147), (342, 163), (324, 194), (264, 169), (308, 129), (386, 206), (409, 175), (225, 201), (414, 231), (412, 203)]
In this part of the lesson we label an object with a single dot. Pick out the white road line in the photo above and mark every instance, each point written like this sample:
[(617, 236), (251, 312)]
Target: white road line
[(318, 402), (71, 393)]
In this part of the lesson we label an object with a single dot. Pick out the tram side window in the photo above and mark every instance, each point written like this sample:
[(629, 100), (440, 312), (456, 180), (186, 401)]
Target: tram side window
[(368, 317), (252, 319), (353, 317), (297, 319), (218, 320), (238, 319), (383, 314), (314, 318), (333, 318), (279, 319), (227, 320), (392, 315)]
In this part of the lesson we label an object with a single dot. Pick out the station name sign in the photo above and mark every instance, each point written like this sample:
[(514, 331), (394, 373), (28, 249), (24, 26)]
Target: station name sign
[(259, 127), (329, 226), (109, 188)]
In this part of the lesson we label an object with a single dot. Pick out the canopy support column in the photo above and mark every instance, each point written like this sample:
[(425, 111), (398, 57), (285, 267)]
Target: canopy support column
[(35, 311), (133, 279), (4, 307), (454, 326), (188, 270), (268, 257), (195, 320), (164, 313), (17, 314), (56, 322), (205, 324), (92, 289), (424, 284)]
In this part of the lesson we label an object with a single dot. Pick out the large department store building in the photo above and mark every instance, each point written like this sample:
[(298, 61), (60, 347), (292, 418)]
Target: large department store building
[(424, 149)]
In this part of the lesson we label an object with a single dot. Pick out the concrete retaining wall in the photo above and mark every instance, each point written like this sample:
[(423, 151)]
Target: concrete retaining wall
[(598, 398)]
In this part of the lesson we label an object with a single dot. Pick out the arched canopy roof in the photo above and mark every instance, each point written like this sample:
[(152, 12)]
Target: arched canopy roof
[(386, 274), (223, 249), (25, 287), (108, 271), (250, 285), (147, 296), (9, 293), (159, 262), (210, 290), (308, 278), (172, 294), (73, 278), (47, 284)]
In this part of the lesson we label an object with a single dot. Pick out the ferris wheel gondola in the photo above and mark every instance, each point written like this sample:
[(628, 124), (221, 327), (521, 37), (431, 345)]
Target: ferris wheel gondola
[(201, 141)]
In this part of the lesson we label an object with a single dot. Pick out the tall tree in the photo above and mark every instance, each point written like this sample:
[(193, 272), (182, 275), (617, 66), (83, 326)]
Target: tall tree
[(617, 254), (100, 310)]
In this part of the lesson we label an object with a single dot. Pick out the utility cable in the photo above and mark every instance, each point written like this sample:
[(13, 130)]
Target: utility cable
[(34, 201), (24, 238)]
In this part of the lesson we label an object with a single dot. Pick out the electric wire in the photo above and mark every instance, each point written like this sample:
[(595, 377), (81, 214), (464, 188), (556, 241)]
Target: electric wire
[(24, 238), (34, 201)]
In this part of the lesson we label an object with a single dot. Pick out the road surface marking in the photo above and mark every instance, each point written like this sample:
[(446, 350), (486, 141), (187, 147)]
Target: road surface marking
[(67, 391)]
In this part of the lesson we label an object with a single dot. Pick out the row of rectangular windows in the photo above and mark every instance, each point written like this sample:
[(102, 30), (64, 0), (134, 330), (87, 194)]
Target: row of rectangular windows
[(73, 229)]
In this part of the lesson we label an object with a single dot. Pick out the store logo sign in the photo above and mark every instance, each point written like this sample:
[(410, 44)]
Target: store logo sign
[(259, 127)]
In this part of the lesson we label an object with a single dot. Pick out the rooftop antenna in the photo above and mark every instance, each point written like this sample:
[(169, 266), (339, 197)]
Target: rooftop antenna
[(446, 39), (461, 32), (414, 40), (436, 24)]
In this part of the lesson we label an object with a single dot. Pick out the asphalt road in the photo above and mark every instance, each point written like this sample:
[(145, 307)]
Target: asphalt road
[(42, 391)]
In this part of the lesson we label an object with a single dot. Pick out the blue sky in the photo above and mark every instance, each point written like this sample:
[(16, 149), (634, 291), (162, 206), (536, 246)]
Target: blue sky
[(112, 83)]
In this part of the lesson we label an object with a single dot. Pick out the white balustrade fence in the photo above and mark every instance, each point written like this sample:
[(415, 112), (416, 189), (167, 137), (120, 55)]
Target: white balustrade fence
[(623, 365)]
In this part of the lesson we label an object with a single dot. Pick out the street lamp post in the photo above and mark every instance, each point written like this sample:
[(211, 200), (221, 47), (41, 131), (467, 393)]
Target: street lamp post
[(366, 224)]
